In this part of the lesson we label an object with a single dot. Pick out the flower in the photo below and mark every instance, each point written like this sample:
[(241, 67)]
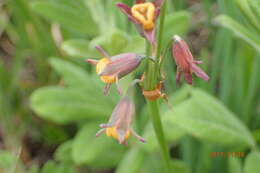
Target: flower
[(119, 123), (185, 62), (143, 14), (111, 69)]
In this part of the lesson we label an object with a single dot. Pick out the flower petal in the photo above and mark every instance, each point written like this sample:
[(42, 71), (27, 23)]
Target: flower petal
[(158, 3), (139, 1), (127, 11), (200, 73), (188, 77), (150, 35), (102, 51), (122, 64)]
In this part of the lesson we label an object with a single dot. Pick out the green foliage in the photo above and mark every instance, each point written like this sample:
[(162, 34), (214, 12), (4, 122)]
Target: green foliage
[(73, 103), (70, 14), (240, 31), (252, 163), (100, 152), (202, 120)]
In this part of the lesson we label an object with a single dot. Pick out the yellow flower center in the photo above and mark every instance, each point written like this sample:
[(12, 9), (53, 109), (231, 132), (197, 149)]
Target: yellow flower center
[(100, 66), (144, 13), (113, 132)]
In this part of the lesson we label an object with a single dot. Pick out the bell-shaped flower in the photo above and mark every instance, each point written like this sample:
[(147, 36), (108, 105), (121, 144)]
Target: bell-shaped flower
[(144, 15), (185, 62), (119, 125), (111, 69)]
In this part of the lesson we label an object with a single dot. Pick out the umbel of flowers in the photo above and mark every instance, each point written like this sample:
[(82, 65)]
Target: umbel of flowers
[(111, 69)]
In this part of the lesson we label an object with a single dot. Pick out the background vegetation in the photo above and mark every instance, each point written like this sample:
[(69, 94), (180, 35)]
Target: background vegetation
[(51, 101)]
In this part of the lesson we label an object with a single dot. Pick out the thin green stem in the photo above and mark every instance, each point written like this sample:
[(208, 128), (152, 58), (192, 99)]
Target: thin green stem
[(150, 83), (157, 124)]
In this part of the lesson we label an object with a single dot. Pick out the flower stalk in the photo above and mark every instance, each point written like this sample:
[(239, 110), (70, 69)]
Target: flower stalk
[(150, 83)]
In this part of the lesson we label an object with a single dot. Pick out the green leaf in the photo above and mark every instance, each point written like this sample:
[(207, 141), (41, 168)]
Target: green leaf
[(64, 152), (202, 116), (78, 101), (252, 163), (78, 48), (244, 5), (240, 31), (101, 152), (134, 157), (53, 167), (66, 105), (71, 14), (176, 23), (234, 165), (7, 160)]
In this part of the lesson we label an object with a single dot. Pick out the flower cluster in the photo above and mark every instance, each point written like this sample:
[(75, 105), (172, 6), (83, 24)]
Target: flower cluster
[(111, 69)]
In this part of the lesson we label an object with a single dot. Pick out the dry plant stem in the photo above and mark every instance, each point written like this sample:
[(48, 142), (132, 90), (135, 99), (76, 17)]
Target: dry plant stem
[(150, 83)]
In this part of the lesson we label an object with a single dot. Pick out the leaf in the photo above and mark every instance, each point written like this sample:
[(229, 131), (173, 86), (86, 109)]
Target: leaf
[(71, 14), (202, 116), (6, 160), (78, 101), (78, 48), (101, 152), (234, 165), (64, 152), (53, 167), (134, 157), (244, 5), (252, 163), (176, 23), (240, 31)]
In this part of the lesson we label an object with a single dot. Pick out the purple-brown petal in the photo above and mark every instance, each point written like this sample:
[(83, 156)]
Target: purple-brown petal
[(150, 35), (102, 51), (158, 3), (139, 1), (127, 11), (188, 77), (200, 73), (122, 64)]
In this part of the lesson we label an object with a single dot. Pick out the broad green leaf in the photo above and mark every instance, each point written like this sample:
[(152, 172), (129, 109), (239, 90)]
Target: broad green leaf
[(99, 152), (71, 14), (53, 167), (134, 157), (64, 152), (81, 99), (77, 78), (79, 48), (176, 23), (252, 163), (68, 105), (240, 31), (114, 42), (234, 165), (202, 116)]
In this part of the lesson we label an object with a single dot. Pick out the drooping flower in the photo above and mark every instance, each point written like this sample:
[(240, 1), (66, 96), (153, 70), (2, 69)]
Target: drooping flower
[(185, 62), (111, 69), (144, 15), (119, 125)]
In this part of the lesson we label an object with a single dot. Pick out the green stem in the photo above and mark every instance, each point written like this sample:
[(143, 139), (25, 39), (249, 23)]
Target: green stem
[(157, 124), (150, 83)]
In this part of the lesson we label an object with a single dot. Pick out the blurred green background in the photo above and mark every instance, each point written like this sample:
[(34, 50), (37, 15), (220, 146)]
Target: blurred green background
[(51, 101)]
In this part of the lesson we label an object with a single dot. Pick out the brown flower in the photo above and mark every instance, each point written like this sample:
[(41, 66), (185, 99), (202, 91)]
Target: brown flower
[(185, 62)]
